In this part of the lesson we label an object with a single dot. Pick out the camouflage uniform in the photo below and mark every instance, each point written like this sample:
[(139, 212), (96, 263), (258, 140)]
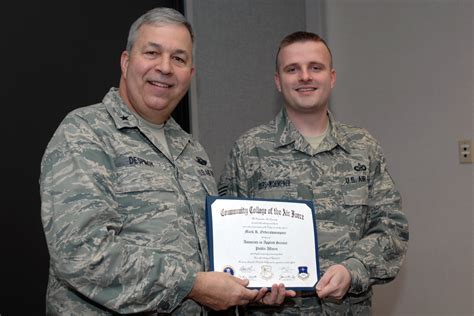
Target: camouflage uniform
[(358, 210), (124, 223)]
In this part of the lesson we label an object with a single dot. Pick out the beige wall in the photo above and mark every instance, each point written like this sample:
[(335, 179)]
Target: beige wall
[(405, 72)]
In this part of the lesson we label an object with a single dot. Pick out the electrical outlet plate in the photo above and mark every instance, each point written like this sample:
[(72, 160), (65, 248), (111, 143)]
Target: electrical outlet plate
[(465, 151)]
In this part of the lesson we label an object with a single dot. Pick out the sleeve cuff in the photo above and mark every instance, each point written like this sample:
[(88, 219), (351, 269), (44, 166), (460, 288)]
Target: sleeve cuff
[(171, 302), (359, 275)]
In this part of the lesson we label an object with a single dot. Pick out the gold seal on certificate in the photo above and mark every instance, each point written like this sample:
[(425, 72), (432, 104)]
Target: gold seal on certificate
[(264, 241)]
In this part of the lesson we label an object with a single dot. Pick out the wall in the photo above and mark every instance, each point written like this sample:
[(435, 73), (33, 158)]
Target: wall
[(236, 43), (405, 72)]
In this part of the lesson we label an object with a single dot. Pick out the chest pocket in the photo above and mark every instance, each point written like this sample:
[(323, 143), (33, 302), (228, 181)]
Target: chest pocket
[(144, 186), (355, 194)]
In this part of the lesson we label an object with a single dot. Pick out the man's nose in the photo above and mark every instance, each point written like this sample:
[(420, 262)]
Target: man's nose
[(163, 65), (305, 75)]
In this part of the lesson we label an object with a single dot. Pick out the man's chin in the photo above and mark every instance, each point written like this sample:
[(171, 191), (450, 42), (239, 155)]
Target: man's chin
[(308, 108), (162, 108)]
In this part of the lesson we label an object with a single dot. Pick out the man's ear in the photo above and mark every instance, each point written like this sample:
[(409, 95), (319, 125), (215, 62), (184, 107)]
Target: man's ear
[(333, 78), (277, 81), (124, 58)]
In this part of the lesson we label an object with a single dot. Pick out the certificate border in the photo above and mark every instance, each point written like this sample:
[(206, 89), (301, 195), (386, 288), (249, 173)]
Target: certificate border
[(210, 199)]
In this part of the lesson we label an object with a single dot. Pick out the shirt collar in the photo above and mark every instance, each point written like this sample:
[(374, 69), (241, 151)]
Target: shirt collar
[(124, 118), (286, 134), (118, 110)]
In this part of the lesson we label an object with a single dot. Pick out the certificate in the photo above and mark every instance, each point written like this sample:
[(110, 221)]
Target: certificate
[(264, 241)]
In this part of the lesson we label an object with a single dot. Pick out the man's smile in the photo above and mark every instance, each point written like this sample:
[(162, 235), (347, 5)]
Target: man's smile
[(306, 89), (160, 84)]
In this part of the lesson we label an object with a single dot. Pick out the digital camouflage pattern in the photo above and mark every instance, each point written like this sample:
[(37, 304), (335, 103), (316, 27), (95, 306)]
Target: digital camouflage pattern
[(358, 210), (124, 224)]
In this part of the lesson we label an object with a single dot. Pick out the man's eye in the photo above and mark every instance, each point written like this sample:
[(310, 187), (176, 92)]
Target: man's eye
[(151, 53), (290, 69), (179, 60), (316, 68)]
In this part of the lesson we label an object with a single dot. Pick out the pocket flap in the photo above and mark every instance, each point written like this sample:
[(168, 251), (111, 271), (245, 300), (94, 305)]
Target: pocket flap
[(355, 194), (133, 180)]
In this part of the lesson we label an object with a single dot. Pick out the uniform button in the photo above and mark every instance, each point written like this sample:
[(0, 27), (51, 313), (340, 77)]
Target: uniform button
[(164, 305)]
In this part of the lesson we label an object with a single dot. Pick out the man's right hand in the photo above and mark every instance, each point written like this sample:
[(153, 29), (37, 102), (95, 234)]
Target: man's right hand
[(219, 291)]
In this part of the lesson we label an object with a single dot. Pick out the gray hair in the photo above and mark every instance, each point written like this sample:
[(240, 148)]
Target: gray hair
[(157, 16)]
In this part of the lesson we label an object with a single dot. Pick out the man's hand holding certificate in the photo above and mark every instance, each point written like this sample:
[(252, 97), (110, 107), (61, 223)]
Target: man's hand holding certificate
[(265, 241)]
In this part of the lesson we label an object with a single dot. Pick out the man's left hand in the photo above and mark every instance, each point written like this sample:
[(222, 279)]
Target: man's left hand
[(334, 283)]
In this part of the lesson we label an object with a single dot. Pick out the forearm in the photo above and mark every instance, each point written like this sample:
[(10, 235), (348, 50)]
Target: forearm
[(378, 256)]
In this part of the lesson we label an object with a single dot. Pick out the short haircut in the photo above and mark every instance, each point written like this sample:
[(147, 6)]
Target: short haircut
[(297, 37), (157, 16)]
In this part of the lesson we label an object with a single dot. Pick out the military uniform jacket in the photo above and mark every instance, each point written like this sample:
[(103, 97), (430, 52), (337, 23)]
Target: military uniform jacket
[(123, 222), (358, 210)]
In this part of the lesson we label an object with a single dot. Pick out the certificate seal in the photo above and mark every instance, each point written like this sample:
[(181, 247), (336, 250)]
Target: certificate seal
[(228, 270), (303, 272), (266, 272)]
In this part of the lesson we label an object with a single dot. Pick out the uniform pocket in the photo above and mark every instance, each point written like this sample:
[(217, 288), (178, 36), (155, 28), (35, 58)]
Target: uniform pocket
[(136, 180), (355, 194), (148, 203), (145, 191)]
